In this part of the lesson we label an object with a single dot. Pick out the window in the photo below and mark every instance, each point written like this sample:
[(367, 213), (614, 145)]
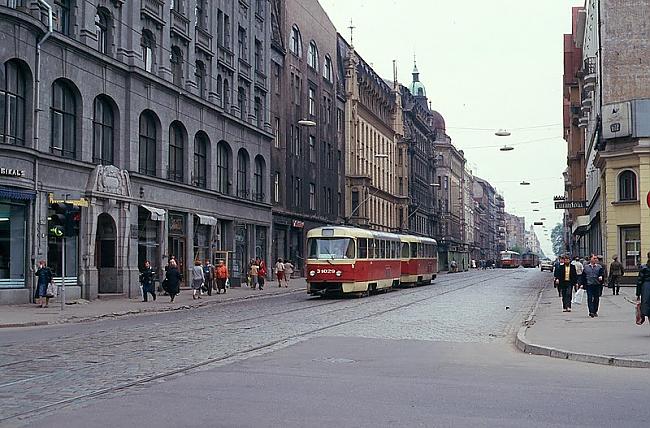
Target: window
[(295, 44), (328, 201), (276, 132), (226, 31), (276, 78), (16, 3), (223, 167), (354, 208), (243, 43), (148, 43), (64, 120), (312, 56), (258, 112), (103, 131), (296, 84), (199, 75), (276, 187), (330, 161), (62, 10), (631, 247), (363, 248), (312, 149), (297, 185), (177, 6), (220, 89), (259, 179), (200, 160), (259, 8), (13, 94), (148, 141), (176, 59), (327, 69), (297, 140), (242, 174), (259, 56), (312, 102), (102, 29), (201, 14), (176, 151), (241, 102), (226, 93), (331, 248), (627, 186), (312, 196)]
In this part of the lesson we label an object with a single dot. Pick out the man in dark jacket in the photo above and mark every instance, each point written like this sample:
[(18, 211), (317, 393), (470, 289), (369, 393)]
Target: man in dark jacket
[(615, 272), (592, 280), (566, 278)]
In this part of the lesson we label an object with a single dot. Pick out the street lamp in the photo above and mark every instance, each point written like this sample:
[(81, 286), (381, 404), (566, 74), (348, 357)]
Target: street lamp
[(524, 183), (502, 133), (434, 184), (306, 122), (534, 202)]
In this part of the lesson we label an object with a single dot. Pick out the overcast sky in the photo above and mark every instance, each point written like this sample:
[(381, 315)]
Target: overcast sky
[(486, 65)]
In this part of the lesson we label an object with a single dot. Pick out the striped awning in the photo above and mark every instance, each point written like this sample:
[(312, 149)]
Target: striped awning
[(157, 214), (21, 195)]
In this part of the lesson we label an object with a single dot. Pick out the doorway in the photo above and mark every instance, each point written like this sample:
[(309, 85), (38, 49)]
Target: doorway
[(105, 255)]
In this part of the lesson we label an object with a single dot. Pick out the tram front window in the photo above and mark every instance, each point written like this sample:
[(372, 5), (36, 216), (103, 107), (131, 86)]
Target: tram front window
[(331, 248)]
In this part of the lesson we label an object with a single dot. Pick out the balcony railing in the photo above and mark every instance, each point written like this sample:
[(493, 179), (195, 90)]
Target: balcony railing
[(258, 197), (260, 80), (226, 57), (180, 25), (204, 40), (153, 9), (244, 69)]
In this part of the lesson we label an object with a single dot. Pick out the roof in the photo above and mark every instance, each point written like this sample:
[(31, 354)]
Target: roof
[(438, 120)]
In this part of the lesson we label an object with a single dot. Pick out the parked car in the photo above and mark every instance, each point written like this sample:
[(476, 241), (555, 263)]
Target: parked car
[(546, 264)]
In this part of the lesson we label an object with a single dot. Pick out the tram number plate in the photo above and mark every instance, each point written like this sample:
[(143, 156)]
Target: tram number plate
[(325, 271)]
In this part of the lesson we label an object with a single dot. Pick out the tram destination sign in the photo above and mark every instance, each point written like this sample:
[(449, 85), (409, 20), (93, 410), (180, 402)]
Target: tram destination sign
[(570, 205)]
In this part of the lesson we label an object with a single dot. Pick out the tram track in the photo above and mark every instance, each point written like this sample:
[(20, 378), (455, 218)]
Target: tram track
[(265, 347)]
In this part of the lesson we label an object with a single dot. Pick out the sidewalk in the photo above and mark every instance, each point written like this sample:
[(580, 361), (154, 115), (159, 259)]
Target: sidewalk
[(83, 310), (611, 339)]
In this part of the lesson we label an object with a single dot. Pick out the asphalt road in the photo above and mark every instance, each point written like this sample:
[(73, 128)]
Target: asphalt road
[(439, 355)]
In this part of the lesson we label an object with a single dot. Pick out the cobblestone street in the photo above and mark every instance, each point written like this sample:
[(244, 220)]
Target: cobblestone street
[(48, 367)]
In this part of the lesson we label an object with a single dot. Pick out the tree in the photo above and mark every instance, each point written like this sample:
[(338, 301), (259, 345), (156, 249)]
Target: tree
[(557, 239)]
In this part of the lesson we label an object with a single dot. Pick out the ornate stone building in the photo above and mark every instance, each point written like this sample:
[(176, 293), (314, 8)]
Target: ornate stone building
[(154, 117)]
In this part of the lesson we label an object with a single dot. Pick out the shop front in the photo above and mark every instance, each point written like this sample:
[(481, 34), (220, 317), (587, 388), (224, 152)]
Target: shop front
[(14, 262)]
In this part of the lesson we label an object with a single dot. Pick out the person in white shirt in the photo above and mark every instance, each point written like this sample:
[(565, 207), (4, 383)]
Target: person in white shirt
[(279, 271), (579, 268)]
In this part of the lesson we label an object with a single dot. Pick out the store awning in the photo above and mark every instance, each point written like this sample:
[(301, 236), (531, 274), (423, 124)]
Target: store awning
[(206, 219), (580, 225), (157, 214), (20, 195)]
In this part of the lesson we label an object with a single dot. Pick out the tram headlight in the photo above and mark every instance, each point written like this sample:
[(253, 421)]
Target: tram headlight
[(338, 273), (312, 273)]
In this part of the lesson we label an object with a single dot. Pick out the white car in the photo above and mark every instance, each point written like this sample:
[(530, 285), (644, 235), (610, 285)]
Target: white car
[(546, 265)]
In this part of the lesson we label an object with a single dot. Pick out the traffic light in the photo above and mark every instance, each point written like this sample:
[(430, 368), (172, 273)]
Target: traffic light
[(72, 220), (64, 221)]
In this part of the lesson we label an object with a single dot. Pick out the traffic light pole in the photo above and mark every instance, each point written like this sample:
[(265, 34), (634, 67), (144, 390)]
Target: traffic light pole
[(62, 290)]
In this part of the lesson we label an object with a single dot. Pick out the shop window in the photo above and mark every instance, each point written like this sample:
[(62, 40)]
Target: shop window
[(631, 247), (103, 131), (13, 96), (223, 161), (64, 120), (176, 151), (627, 186), (12, 245), (148, 239), (148, 143)]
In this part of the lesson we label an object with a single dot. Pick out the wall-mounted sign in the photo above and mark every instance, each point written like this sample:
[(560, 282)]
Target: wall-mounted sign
[(10, 172), (570, 205), (68, 198), (298, 224), (617, 120)]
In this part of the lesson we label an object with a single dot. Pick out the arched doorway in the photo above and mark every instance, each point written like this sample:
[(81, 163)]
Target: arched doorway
[(105, 255)]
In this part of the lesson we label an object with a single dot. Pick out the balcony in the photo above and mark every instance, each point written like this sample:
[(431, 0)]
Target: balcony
[(583, 122), (589, 70), (260, 80), (226, 58), (204, 40), (587, 99), (589, 86), (180, 25), (244, 70), (153, 9)]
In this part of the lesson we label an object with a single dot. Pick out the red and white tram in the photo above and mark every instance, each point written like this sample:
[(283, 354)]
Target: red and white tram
[(343, 259), (509, 259)]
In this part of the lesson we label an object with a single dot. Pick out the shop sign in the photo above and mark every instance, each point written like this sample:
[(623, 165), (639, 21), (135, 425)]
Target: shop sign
[(298, 224), (68, 198), (10, 172), (176, 224), (570, 205)]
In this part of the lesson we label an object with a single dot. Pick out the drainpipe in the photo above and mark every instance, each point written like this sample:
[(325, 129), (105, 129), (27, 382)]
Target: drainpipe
[(37, 92)]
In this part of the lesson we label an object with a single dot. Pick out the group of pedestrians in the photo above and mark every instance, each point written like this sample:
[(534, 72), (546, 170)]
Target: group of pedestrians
[(256, 273), (570, 276), (283, 271)]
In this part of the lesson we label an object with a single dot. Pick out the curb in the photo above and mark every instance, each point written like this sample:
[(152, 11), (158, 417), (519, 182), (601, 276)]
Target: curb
[(534, 349), (149, 311)]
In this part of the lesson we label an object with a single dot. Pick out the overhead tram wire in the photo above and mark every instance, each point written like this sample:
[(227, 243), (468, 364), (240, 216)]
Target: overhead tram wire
[(513, 129)]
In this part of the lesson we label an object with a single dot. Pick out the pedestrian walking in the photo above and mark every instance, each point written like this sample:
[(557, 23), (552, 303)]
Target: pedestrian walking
[(146, 281), (566, 279), (592, 281), (198, 279), (208, 273), (253, 272), (288, 272), (279, 271), (45, 278), (643, 290), (261, 273), (579, 267), (172, 282), (616, 270), (221, 276)]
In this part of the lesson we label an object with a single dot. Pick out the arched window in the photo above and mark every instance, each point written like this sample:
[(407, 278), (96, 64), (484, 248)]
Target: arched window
[(241, 102), (102, 30), (627, 186), (242, 174), (64, 120), (103, 131), (199, 75), (223, 167), (327, 69), (226, 93), (258, 194), (176, 151), (220, 89), (148, 43), (200, 160), (312, 55), (148, 141), (295, 44), (176, 59), (13, 95)]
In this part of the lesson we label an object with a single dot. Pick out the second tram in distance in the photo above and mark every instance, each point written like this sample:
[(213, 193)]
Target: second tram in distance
[(344, 259), (529, 260)]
